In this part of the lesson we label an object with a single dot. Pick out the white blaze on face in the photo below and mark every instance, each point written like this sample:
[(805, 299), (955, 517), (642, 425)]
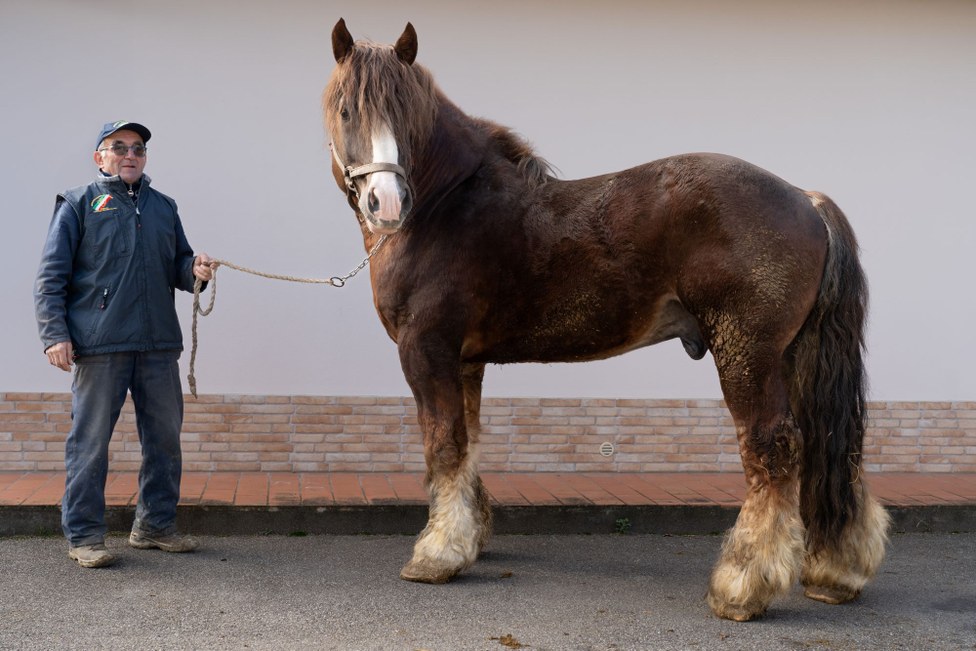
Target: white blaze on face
[(382, 196)]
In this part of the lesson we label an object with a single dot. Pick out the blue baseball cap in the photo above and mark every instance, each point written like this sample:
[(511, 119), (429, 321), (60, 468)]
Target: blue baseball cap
[(119, 125)]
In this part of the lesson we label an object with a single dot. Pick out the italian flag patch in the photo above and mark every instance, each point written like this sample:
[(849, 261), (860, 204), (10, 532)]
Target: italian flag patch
[(100, 203)]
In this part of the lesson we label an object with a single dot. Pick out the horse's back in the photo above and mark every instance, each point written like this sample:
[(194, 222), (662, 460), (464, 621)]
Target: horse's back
[(690, 210)]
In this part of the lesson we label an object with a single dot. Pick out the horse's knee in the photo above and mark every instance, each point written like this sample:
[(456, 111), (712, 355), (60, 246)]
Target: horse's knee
[(444, 460), (445, 447)]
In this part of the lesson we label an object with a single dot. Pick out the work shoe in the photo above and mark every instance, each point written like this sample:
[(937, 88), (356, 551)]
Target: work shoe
[(91, 555), (174, 542)]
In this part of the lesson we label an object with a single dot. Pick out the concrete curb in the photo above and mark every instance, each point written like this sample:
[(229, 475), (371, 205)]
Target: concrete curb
[(409, 519)]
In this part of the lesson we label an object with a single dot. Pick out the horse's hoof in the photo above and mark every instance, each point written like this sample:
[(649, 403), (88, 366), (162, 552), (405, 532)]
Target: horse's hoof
[(427, 572), (735, 612), (833, 595)]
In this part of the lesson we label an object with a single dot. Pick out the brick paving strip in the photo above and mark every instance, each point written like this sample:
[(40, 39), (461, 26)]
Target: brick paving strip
[(523, 502)]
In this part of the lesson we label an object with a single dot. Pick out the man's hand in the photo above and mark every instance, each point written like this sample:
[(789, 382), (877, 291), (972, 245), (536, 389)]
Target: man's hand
[(61, 355), (204, 266)]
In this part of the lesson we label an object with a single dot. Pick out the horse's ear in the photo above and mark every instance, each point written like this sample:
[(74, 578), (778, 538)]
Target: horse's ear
[(406, 45), (341, 41)]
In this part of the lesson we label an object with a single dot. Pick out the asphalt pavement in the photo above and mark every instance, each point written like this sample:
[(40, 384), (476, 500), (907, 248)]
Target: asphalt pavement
[(538, 592)]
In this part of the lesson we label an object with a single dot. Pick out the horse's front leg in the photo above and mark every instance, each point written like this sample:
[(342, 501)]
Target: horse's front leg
[(472, 376), (456, 526)]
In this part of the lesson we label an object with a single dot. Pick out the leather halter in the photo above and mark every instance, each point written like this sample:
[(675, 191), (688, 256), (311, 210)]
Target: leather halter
[(349, 172)]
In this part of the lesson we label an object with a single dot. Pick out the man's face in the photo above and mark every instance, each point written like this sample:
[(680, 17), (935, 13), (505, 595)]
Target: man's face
[(128, 166)]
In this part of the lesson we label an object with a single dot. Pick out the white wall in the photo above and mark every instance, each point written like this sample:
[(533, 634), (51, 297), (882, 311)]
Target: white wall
[(870, 102)]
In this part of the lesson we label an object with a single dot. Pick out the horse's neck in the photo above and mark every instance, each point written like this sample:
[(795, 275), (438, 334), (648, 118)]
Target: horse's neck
[(453, 153)]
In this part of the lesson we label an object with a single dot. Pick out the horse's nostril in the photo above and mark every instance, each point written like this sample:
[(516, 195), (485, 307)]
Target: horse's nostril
[(406, 201), (374, 203)]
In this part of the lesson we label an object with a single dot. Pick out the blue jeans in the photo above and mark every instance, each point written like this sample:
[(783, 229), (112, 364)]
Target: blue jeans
[(98, 393)]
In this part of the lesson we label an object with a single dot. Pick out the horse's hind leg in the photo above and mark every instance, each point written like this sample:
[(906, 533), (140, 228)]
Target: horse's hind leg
[(835, 571), (459, 520), (762, 553)]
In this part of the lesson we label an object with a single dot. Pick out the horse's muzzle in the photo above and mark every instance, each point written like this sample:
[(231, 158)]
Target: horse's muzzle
[(379, 208), (383, 226)]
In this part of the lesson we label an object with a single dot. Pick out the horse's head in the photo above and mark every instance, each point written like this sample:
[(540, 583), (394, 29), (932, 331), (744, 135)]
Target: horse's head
[(378, 111)]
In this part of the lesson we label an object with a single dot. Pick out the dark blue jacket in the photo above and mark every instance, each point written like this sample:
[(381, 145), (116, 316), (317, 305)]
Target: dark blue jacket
[(109, 270)]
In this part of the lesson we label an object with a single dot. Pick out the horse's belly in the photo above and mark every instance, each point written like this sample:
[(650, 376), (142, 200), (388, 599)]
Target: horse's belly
[(572, 335)]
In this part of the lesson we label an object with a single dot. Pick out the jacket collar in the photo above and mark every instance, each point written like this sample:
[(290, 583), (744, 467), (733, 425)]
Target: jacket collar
[(144, 180)]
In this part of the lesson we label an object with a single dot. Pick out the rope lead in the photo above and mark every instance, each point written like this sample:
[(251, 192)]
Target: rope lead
[(335, 281)]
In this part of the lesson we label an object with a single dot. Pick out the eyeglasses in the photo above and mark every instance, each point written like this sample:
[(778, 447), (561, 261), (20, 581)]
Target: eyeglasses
[(121, 149)]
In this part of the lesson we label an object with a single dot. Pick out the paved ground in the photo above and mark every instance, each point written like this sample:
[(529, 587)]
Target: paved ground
[(546, 588), (539, 592)]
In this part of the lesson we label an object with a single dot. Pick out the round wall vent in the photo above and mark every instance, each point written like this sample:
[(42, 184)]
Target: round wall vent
[(606, 449)]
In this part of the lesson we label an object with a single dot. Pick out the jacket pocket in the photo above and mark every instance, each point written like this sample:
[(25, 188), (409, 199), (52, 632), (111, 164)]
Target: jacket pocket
[(103, 297), (106, 236)]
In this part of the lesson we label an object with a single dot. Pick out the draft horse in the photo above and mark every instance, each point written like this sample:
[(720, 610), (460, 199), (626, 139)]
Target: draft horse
[(491, 259)]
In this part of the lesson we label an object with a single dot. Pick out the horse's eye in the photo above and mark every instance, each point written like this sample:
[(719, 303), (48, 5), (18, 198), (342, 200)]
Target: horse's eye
[(344, 114)]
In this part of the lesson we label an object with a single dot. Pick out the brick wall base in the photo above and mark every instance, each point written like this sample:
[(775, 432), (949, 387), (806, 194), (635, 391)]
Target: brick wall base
[(365, 434)]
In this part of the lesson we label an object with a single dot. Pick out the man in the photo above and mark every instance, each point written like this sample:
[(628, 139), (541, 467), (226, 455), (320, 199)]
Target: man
[(104, 300)]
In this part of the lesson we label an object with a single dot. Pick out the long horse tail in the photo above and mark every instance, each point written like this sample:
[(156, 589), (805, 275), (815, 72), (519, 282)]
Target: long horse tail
[(829, 385)]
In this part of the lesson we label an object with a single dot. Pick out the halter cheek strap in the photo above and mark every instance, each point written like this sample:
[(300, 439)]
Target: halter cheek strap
[(349, 172)]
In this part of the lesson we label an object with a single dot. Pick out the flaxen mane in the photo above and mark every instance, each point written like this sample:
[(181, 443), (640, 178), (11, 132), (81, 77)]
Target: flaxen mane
[(535, 169), (380, 87)]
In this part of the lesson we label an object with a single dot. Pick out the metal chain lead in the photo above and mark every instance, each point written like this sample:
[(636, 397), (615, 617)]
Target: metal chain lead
[(340, 281), (335, 281)]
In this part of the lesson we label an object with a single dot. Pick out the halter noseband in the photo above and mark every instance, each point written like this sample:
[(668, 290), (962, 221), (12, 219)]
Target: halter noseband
[(349, 172)]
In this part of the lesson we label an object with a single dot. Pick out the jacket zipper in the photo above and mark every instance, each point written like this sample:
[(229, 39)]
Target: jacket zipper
[(138, 246), (135, 198)]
